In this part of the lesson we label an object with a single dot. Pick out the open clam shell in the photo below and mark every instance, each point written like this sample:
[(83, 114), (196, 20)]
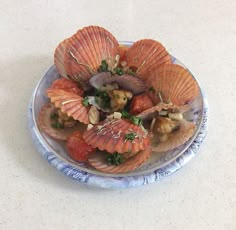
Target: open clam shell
[(153, 111), (69, 103), (114, 136), (44, 122), (175, 139), (98, 161), (174, 84), (125, 81), (145, 55), (86, 50)]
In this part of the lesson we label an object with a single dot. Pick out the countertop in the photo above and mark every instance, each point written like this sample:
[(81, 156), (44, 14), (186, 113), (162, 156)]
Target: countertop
[(202, 195)]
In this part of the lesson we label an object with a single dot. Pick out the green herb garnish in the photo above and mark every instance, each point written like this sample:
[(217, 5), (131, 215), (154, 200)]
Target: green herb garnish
[(103, 99), (131, 72), (125, 114), (54, 116), (151, 89), (57, 125), (130, 136), (85, 101), (103, 67), (136, 120), (118, 71), (114, 159)]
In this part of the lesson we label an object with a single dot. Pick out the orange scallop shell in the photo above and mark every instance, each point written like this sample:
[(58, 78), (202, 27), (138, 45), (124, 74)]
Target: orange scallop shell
[(67, 85), (153, 111), (44, 123), (146, 54), (177, 138), (69, 103), (98, 161), (110, 135), (86, 50), (59, 57), (175, 84)]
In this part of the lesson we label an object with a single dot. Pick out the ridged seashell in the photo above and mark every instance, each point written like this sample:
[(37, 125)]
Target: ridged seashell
[(145, 55), (44, 123), (111, 135), (59, 57), (176, 138), (86, 50), (127, 82), (67, 85), (173, 84), (69, 103), (153, 111), (98, 161)]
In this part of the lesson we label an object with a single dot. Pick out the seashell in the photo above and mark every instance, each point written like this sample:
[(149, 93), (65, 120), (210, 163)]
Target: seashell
[(145, 55), (98, 161), (69, 103), (44, 123), (176, 138), (86, 50), (173, 84), (67, 85), (112, 135), (152, 112), (127, 82), (59, 57)]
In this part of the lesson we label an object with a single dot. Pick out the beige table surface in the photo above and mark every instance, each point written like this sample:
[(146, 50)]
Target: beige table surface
[(202, 195)]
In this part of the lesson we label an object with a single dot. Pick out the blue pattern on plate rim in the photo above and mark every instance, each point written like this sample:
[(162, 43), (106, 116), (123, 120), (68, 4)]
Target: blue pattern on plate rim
[(119, 182)]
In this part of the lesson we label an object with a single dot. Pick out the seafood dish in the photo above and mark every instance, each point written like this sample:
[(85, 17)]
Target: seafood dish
[(113, 106)]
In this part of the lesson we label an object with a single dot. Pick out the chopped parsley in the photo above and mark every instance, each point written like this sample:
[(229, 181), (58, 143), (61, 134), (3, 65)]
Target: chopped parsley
[(85, 102), (57, 125), (103, 99), (151, 89), (103, 67), (130, 136), (125, 114), (131, 72), (115, 158), (54, 116), (118, 71), (135, 120)]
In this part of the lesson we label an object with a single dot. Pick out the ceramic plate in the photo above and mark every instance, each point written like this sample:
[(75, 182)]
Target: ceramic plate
[(157, 167)]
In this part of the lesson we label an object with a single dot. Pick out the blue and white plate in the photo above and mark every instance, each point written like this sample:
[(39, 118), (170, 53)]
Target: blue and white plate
[(157, 167)]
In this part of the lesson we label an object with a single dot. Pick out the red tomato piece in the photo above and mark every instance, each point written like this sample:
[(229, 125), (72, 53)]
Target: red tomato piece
[(77, 148), (140, 103), (67, 85)]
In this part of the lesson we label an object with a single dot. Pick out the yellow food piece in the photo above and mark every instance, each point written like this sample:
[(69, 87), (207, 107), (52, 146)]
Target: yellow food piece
[(164, 125), (119, 99)]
